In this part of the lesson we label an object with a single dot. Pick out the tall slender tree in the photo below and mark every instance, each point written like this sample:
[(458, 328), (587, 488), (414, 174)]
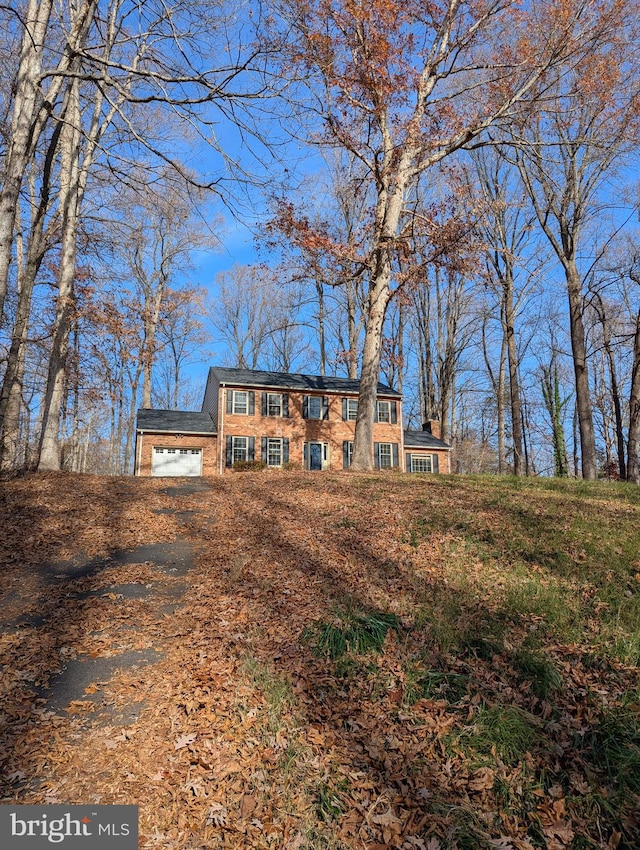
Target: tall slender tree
[(589, 120)]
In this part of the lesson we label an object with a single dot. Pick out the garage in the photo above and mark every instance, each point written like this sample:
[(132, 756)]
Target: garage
[(176, 461), (172, 443)]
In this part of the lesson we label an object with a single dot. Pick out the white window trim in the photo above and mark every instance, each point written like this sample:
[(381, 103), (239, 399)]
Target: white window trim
[(382, 446), (236, 446), (234, 401), (352, 414), (307, 453), (384, 405), (279, 404), (314, 399), (422, 458), (280, 444)]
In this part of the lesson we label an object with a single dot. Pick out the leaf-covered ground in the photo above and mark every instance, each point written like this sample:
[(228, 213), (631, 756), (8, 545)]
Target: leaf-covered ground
[(338, 661)]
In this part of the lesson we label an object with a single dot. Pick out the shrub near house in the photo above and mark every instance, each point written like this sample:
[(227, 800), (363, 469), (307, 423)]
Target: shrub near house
[(278, 419)]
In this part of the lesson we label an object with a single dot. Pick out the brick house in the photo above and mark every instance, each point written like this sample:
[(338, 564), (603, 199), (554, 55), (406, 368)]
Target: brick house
[(307, 421)]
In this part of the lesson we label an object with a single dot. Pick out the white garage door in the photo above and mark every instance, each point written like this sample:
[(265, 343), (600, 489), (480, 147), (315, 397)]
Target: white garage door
[(176, 461)]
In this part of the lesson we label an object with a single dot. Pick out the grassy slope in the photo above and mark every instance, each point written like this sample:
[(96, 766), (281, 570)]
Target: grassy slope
[(371, 661)]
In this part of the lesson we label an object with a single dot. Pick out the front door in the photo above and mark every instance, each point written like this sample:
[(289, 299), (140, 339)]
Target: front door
[(315, 455)]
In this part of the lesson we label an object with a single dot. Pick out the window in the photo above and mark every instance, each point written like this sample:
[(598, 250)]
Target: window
[(240, 449), (421, 463), (384, 411), (315, 407), (159, 451), (240, 402), (385, 456), (274, 404), (351, 409), (274, 452), (184, 451), (171, 451)]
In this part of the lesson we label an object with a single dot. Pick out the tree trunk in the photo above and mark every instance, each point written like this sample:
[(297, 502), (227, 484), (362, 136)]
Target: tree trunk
[(615, 392), (21, 131), (500, 401), (31, 112), (352, 329), (371, 355), (151, 319), (497, 384), (633, 440), (554, 405), (578, 349), (514, 385), (10, 394), (49, 451), (400, 348), (321, 328)]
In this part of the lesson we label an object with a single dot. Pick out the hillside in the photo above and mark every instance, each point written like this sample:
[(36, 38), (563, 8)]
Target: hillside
[(327, 660)]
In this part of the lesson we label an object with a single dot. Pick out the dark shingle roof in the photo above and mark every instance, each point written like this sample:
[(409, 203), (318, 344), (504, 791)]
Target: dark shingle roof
[(175, 421), (286, 381), (423, 440)]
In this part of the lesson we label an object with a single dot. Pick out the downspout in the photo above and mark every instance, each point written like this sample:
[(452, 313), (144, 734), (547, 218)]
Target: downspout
[(221, 407), (139, 453)]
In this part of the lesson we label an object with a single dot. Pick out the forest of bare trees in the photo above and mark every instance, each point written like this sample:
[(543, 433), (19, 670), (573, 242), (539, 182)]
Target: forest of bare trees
[(443, 196)]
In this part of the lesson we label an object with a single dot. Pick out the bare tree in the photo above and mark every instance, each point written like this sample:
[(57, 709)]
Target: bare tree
[(443, 325), (335, 214), (555, 406), (243, 313), (586, 124), (86, 68), (504, 227), (181, 335), (403, 86)]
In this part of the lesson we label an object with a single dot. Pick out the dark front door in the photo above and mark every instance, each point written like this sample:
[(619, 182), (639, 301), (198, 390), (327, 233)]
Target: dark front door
[(315, 455)]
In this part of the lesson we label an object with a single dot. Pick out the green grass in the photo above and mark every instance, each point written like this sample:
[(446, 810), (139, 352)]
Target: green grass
[(564, 557), (328, 805), (515, 574), (350, 631), (504, 730), (539, 670), (433, 684), (614, 748)]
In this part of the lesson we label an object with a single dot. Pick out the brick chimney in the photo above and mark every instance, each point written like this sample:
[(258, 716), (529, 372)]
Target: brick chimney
[(433, 427)]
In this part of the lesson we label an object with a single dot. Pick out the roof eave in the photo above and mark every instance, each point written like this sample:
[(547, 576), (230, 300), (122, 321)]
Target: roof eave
[(177, 431)]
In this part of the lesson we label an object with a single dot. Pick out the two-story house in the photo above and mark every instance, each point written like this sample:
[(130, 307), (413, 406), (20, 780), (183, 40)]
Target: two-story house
[(306, 421)]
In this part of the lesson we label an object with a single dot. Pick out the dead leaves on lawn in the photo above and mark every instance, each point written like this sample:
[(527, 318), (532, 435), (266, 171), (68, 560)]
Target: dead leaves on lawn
[(249, 738)]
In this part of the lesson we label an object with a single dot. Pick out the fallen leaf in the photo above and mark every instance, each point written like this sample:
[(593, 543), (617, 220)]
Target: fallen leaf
[(386, 819), (217, 814), (185, 740), (247, 805)]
